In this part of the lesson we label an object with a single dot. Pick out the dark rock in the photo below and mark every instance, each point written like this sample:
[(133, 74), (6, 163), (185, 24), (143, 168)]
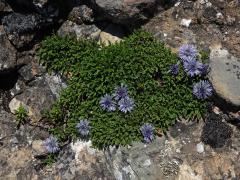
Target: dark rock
[(47, 8), (7, 52), (216, 133), (21, 29), (4, 7), (112, 34), (126, 12)]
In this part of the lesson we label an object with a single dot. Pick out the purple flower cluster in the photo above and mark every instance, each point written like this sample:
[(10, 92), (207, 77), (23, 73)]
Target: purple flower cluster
[(120, 98), (51, 145), (192, 67), (188, 55), (83, 127), (147, 131)]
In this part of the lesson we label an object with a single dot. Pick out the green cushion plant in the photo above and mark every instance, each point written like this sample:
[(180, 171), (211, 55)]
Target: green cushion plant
[(141, 63)]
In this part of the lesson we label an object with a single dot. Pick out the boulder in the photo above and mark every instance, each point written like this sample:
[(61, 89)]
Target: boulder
[(7, 52), (225, 75), (126, 12), (38, 96), (79, 31), (21, 29)]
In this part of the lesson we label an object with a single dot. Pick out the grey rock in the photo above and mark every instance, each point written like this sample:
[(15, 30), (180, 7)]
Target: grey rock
[(21, 29), (38, 96), (225, 75), (81, 14), (16, 154), (79, 31), (127, 12), (38, 149), (7, 52), (18, 88)]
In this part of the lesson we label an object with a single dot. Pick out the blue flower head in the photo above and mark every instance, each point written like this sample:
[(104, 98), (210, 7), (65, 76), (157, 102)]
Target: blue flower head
[(192, 67), (120, 92), (187, 51), (83, 127), (202, 89), (107, 103), (126, 104), (147, 131), (51, 145), (174, 69), (204, 68)]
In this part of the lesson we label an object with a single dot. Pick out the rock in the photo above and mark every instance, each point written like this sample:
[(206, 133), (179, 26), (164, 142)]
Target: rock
[(216, 133), (16, 153), (21, 29), (126, 12), (80, 161), (4, 7), (79, 31), (81, 14), (38, 149), (15, 104), (39, 95), (47, 8), (186, 22), (111, 34), (200, 147), (18, 88), (225, 75), (187, 173), (7, 52), (30, 69)]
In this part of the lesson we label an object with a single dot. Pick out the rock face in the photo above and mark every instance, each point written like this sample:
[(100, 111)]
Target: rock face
[(202, 19), (126, 12), (225, 75), (7, 52), (173, 157)]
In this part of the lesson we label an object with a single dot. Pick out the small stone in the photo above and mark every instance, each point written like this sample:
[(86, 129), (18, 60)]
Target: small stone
[(186, 22), (200, 147), (147, 163), (14, 105), (37, 146)]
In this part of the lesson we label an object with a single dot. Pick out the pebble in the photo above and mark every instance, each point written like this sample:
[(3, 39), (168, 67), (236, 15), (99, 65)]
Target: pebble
[(200, 147)]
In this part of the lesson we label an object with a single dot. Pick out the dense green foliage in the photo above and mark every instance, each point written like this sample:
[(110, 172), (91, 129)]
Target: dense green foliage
[(21, 115), (140, 62)]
